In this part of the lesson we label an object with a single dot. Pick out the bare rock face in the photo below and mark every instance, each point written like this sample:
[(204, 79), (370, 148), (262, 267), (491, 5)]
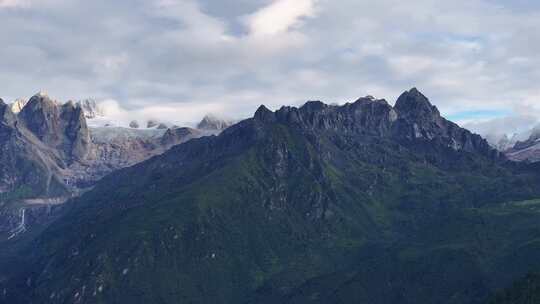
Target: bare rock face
[(41, 116), (115, 148), (27, 166), (134, 124), (61, 127), (76, 134)]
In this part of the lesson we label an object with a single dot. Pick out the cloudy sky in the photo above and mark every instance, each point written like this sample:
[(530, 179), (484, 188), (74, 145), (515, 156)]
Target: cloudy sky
[(477, 60)]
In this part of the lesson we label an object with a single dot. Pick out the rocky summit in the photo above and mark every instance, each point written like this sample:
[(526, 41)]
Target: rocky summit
[(412, 119), (360, 203), (61, 127)]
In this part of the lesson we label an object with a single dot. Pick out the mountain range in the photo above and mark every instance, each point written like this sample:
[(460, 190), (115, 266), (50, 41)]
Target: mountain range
[(519, 146), (360, 203), (526, 150), (52, 151)]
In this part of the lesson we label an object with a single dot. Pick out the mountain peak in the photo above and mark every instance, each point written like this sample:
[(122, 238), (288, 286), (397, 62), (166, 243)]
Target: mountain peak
[(42, 93), (212, 122), (264, 114), (40, 99), (314, 105), (58, 126), (414, 104)]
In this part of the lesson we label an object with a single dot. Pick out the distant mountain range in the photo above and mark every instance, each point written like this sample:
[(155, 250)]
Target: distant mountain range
[(51, 151), (526, 150), (520, 146), (360, 203), (70, 146)]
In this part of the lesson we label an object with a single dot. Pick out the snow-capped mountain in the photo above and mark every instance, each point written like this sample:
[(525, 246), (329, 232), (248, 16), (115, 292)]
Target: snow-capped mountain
[(526, 150), (77, 143), (51, 151), (91, 108), (211, 122), (505, 142), (522, 146)]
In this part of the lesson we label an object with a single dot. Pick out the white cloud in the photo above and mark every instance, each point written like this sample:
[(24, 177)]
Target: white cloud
[(168, 56), (14, 3), (184, 114), (279, 16)]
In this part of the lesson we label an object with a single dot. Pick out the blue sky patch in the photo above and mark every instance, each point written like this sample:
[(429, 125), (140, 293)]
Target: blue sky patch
[(479, 114)]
